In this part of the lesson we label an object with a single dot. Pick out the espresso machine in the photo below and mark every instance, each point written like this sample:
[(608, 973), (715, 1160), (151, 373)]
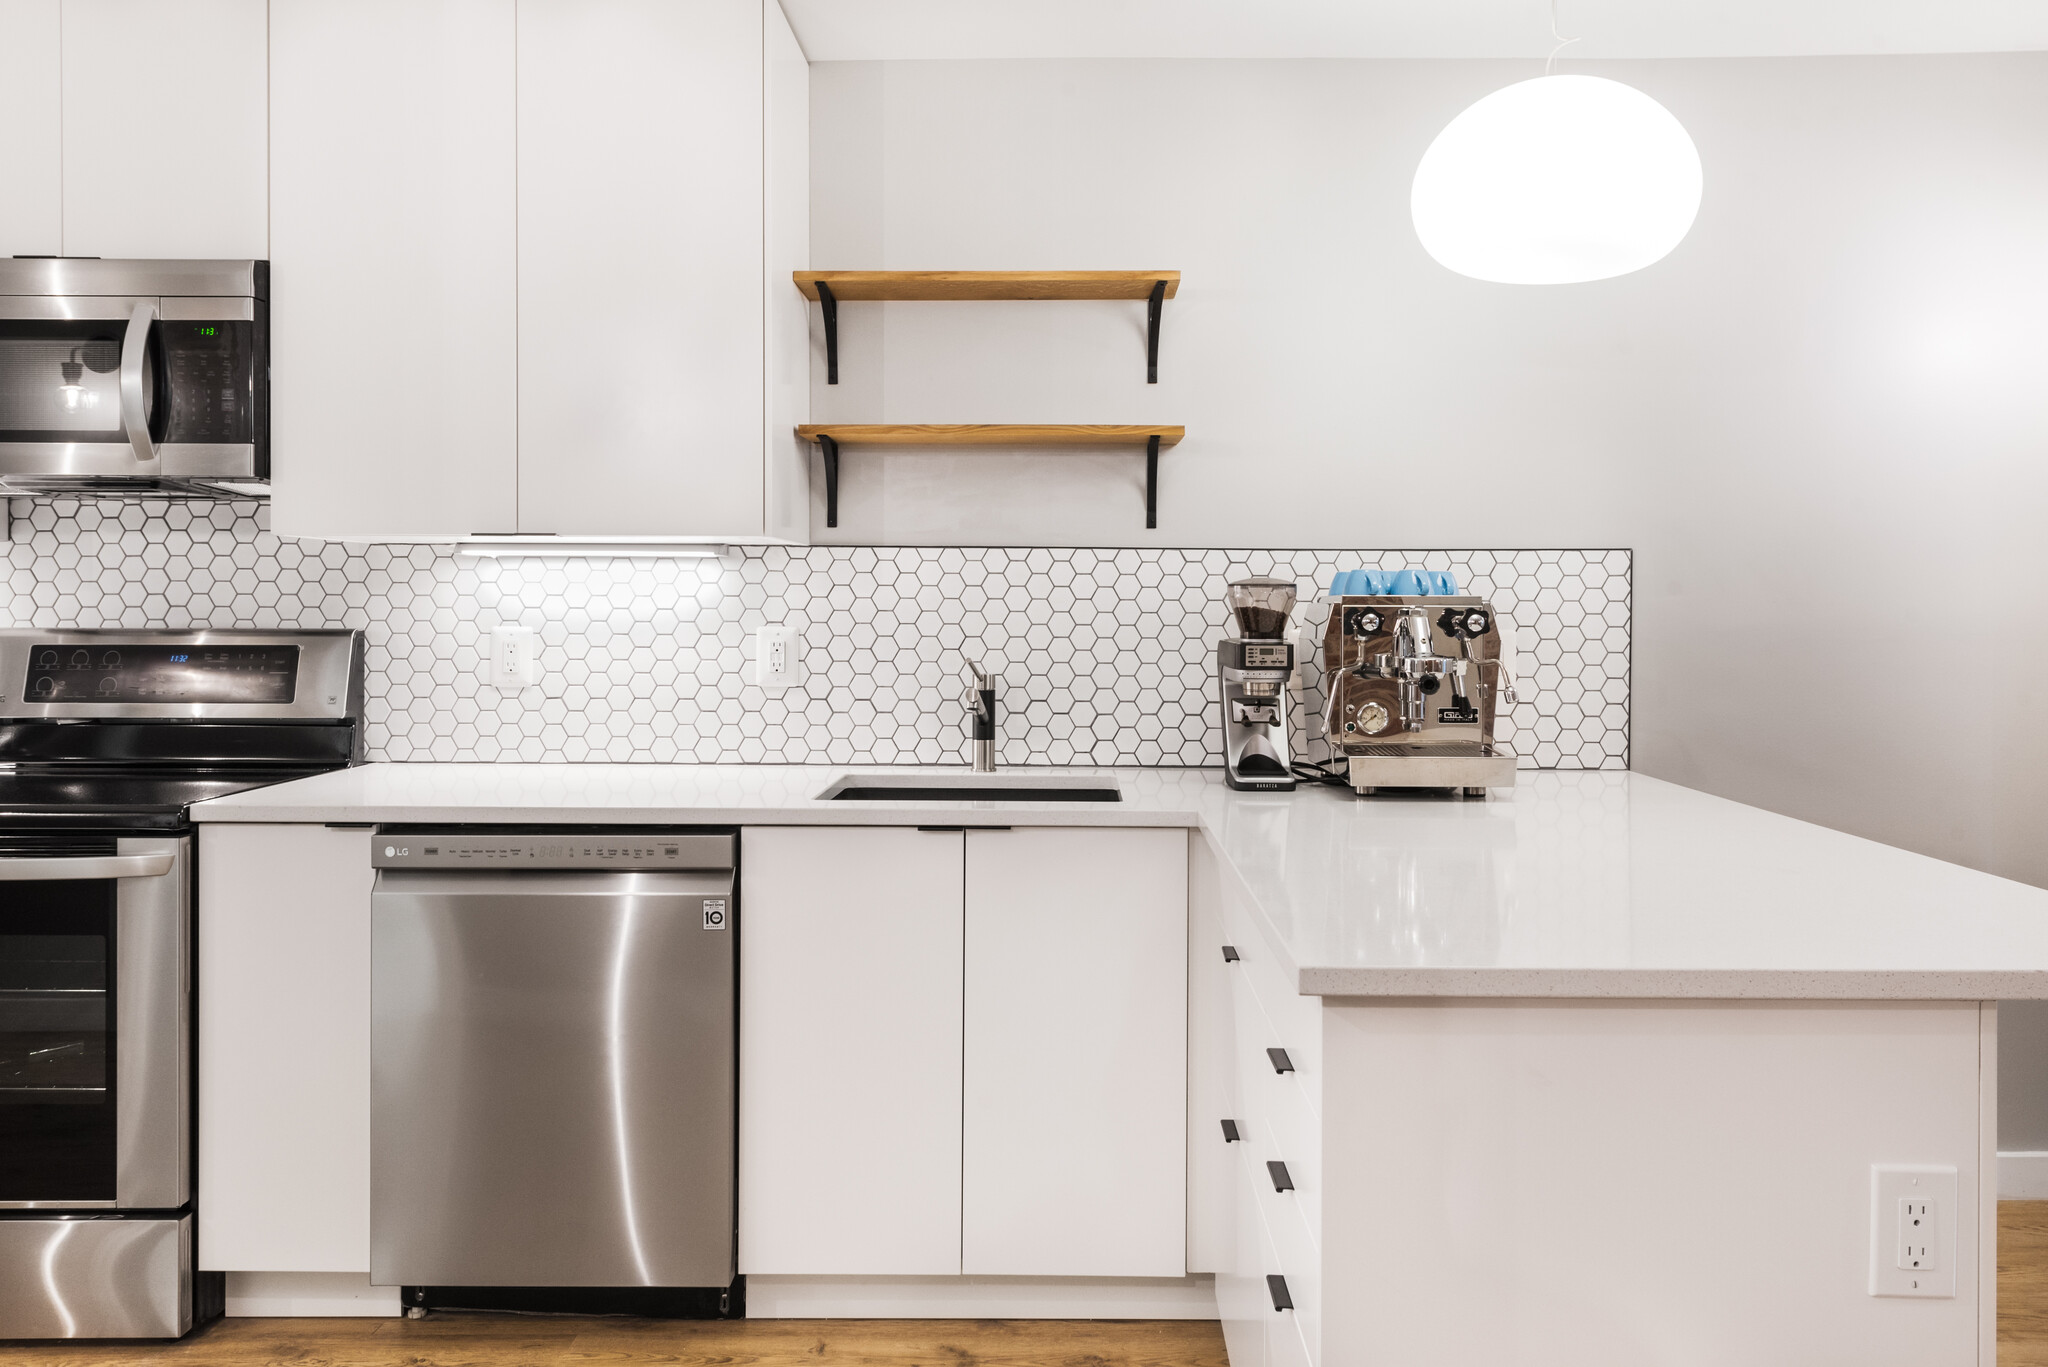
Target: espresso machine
[(1414, 684), (1252, 670)]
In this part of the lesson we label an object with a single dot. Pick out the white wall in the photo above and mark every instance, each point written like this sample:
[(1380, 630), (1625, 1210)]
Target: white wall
[(1821, 423)]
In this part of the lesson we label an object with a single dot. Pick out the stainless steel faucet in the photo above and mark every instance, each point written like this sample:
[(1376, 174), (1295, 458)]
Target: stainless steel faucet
[(981, 702)]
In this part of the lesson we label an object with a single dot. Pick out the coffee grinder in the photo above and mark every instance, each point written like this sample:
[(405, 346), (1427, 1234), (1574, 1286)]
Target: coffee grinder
[(1252, 669)]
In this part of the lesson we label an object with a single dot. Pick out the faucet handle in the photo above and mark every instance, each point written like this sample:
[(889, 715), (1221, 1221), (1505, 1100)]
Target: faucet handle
[(982, 678)]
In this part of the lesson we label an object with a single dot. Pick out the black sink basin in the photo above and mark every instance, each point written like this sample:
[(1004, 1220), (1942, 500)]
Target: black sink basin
[(970, 787), (892, 793)]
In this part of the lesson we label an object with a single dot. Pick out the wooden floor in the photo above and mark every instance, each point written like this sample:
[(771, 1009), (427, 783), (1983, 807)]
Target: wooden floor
[(2023, 1284), (450, 1340), (454, 1340)]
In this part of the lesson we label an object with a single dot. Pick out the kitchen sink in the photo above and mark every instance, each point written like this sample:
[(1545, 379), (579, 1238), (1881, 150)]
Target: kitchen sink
[(971, 787)]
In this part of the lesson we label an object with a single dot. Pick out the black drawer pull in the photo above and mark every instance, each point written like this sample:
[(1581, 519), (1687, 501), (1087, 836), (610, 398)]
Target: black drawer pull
[(1281, 1063), (1278, 1172), (1230, 954), (1230, 1134), (1277, 1286)]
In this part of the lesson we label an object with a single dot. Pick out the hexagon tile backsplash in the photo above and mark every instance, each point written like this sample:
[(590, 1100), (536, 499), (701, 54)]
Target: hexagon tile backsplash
[(1105, 656)]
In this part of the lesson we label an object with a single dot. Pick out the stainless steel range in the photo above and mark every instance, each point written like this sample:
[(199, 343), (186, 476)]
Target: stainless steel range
[(106, 739)]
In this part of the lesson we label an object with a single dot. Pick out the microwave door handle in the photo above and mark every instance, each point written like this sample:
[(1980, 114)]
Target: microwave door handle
[(88, 867), (134, 398)]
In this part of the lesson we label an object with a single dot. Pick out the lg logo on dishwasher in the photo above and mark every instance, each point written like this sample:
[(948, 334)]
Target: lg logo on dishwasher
[(714, 913)]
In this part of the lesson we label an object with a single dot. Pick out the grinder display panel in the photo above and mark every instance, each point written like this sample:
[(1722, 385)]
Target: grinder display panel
[(146, 673)]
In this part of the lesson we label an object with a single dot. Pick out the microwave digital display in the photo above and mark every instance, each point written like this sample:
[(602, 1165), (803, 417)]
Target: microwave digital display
[(115, 672)]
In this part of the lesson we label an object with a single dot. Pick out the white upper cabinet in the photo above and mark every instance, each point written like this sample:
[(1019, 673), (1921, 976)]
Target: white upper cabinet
[(31, 128), (394, 274), (133, 128), (525, 265), (165, 133), (642, 154)]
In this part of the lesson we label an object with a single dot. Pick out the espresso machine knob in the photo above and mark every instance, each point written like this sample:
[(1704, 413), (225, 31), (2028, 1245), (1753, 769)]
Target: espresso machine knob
[(1465, 623)]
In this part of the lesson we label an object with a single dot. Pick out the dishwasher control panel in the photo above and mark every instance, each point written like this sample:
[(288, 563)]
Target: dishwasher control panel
[(637, 851)]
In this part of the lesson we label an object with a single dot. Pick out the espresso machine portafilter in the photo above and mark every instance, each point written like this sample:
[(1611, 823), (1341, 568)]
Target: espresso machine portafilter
[(1252, 670)]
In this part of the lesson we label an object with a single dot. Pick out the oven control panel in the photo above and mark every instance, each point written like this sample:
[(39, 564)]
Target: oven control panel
[(142, 671)]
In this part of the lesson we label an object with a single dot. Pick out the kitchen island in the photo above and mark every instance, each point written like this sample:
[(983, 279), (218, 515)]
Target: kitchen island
[(1595, 1072)]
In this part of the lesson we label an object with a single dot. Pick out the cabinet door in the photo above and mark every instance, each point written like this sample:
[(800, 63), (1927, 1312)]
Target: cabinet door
[(284, 1048), (640, 267), (166, 140), (787, 234), (393, 269), (31, 129), (1074, 1148), (1213, 1159), (850, 1051)]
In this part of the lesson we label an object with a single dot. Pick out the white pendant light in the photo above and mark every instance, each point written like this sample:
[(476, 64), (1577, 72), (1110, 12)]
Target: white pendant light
[(1557, 180)]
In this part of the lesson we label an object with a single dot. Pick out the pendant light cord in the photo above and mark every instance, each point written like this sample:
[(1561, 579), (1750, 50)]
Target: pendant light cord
[(1550, 67)]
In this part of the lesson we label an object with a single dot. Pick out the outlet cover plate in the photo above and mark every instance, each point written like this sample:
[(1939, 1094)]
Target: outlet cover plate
[(1896, 1188), (778, 656)]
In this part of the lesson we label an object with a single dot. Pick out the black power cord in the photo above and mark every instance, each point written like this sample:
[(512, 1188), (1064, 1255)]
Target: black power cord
[(1319, 771)]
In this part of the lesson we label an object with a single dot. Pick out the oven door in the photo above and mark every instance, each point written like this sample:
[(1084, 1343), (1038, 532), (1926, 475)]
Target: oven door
[(94, 1021), (113, 386)]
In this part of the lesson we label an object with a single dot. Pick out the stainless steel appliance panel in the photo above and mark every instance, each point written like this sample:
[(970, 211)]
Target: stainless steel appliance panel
[(553, 1079), (73, 275), (152, 1115), (328, 683), (87, 1278), (152, 1102), (135, 370)]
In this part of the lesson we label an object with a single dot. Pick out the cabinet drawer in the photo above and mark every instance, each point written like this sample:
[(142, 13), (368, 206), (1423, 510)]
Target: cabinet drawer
[(1298, 1258), (1298, 1018), (1275, 1118), (1282, 1247)]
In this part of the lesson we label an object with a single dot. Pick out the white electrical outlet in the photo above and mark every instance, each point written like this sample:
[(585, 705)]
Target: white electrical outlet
[(778, 657), (1912, 1229), (515, 658)]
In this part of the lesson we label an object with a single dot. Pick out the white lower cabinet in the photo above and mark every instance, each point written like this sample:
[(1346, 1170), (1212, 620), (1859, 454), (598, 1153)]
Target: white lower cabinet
[(963, 1052), (1074, 1141), (960, 1052), (284, 1048), (850, 1051)]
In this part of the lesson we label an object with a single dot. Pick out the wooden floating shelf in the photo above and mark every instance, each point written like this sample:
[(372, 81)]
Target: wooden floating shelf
[(832, 288), (874, 285), (831, 436), (988, 434)]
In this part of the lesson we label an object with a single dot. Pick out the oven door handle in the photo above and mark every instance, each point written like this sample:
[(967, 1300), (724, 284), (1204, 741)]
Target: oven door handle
[(87, 867), (134, 399)]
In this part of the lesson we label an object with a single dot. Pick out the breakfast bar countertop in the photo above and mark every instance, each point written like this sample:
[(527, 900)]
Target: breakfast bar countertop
[(1578, 884)]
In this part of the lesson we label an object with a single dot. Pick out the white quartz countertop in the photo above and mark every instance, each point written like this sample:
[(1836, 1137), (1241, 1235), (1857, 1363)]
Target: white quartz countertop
[(1579, 885)]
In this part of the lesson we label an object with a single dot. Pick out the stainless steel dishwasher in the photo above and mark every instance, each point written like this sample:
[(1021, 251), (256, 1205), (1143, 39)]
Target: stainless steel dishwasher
[(553, 1060)]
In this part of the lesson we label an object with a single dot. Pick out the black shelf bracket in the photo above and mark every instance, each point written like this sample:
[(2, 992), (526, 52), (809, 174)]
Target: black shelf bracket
[(1153, 305), (1152, 482), (829, 306), (830, 446)]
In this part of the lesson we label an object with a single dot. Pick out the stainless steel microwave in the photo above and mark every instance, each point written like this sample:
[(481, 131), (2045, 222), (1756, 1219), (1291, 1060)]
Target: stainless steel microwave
[(135, 371)]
